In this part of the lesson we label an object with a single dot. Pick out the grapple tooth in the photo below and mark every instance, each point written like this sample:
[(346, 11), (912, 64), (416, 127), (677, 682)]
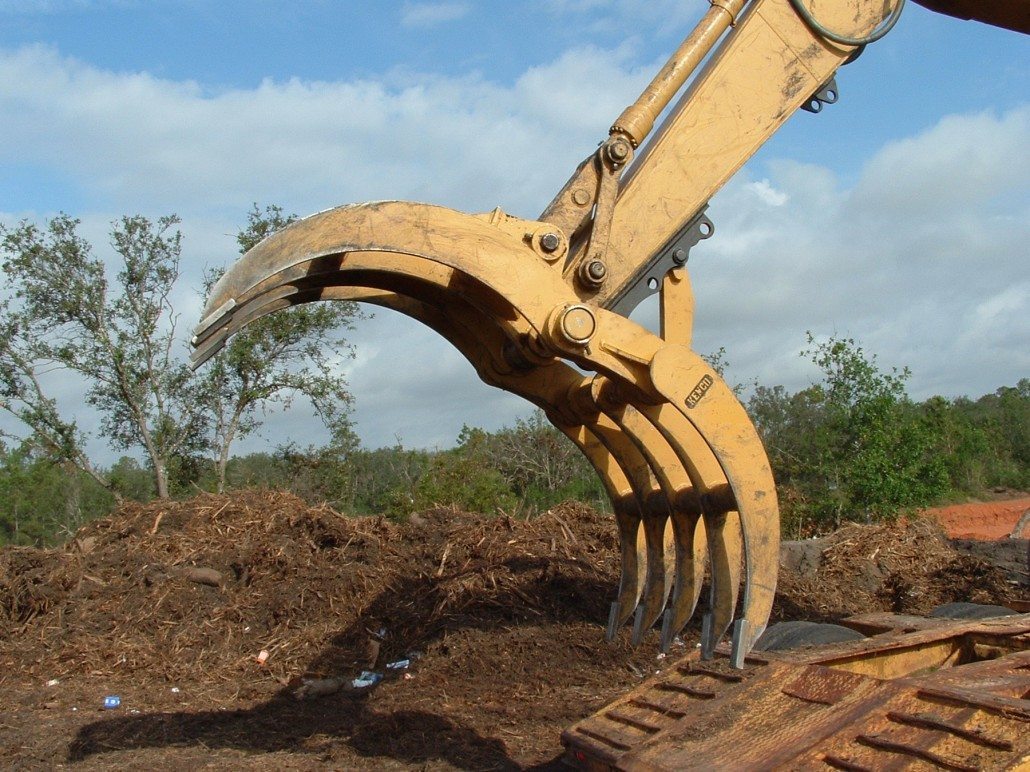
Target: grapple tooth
[(726, 549), (627, 519), (678, 554), (698, 392), (654, 511), (633, 549), (692, 557), (659, 579)]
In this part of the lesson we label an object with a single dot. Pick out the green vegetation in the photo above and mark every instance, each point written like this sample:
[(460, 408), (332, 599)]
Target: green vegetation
[(852, 446), (117, 335), (855, 447)]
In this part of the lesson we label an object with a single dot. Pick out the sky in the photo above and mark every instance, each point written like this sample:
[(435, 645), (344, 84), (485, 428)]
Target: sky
[(899, 216)]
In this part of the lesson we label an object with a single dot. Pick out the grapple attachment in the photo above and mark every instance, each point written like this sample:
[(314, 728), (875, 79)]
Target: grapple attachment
[(540, 308), (679, 458)]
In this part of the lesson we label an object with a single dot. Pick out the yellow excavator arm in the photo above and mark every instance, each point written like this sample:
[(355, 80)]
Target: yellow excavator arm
[(535, 304)]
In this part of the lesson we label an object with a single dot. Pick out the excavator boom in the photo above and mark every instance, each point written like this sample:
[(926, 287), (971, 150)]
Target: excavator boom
[(535, 304)]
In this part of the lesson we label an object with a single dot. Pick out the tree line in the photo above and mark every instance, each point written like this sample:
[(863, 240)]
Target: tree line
[(853, 445)]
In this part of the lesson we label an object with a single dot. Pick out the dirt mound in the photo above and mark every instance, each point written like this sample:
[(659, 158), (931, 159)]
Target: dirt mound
[(169, 605), (905, 567), (201, 587), (985, 520)]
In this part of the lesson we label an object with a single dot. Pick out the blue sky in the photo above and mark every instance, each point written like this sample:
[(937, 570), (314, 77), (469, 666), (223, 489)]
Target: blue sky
[(898, 216)]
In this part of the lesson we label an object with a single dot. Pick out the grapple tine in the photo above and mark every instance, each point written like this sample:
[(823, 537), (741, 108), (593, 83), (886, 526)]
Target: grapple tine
[(726, 549), (627, 519), (679, 491), (658, 577), (690, 573), (709, 404), (654, 511), (633, 548)]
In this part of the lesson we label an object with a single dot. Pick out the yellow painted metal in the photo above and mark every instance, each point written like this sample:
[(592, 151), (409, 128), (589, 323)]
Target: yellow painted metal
[(527, 302), (638, 119), (757, 78)]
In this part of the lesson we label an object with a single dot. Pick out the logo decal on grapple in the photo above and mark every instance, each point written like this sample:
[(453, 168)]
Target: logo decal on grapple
[(699, 391)]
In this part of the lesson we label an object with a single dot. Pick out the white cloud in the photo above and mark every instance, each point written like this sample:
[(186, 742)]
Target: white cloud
[(433, 14), (962, 161), (923, 259), (136, 140)]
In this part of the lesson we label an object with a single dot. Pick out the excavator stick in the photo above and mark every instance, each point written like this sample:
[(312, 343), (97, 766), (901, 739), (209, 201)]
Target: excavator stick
[(541, 307)]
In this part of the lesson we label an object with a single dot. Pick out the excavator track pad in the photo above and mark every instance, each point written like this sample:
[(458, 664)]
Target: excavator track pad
[(918, 694)]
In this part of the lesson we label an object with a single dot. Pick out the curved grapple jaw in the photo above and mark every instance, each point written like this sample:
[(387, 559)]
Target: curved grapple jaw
[(686, 473), (535, 304)]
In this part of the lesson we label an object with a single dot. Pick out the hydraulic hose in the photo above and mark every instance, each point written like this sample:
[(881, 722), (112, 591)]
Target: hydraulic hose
[(844, 40)]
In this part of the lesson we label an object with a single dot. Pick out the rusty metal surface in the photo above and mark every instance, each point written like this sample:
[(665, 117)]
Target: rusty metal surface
[(792, 710)]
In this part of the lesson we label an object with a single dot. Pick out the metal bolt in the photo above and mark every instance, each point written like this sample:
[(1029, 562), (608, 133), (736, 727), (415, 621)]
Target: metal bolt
[(618, 151), (576, 324), (581, 197), (549, 242), (680, 256), (593, 273)]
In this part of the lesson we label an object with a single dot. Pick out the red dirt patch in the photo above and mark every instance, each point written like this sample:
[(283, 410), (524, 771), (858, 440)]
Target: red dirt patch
[(985, 521)]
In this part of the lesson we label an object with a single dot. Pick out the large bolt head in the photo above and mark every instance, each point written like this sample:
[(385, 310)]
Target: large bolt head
[(577, 325), (592, 274), (549, 242)]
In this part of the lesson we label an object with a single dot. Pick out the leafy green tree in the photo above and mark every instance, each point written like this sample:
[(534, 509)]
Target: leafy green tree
[(541, 466), (25, 362), (130, 480), (464, 477), (1004, 417), (118, 336), (295, 352), (385, 479), (43, 501), (853, 446), (884, 452)]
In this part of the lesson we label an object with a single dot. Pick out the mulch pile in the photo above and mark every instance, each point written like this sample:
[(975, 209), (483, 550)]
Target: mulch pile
[(171, 605), (198, 588), (907, 567)]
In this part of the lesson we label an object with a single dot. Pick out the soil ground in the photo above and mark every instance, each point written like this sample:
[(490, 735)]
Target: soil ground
[(987, 520), (170, 606)]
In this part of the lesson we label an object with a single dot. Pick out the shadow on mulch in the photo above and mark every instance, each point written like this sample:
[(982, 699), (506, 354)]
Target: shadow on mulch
[(283, 723), (349, 723)]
